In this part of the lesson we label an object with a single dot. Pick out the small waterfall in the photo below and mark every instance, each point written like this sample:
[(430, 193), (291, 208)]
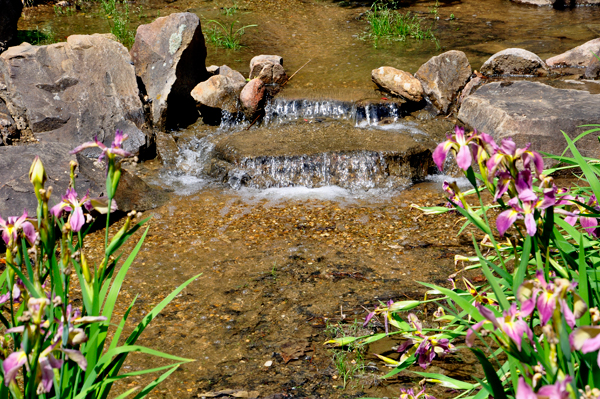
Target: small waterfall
[(359, 170), (281, 110), (366, 114), (195, 156)]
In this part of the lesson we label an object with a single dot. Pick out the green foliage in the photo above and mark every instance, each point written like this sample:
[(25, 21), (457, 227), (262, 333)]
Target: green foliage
[(37, 37), (230, 11), (392, 25), (117, 15), (539, 301), (51, 348), (226, 37)]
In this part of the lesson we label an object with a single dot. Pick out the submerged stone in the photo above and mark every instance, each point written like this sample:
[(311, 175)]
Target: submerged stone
[(535, 113)]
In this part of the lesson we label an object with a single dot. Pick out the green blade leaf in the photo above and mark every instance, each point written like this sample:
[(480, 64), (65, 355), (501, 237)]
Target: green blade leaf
[(495, 385)]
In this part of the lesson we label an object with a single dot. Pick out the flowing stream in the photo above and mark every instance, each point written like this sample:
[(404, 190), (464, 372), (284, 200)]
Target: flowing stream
[(303, 221)]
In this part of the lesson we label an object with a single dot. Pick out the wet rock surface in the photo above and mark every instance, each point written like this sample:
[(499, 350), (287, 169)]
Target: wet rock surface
[(514, 61), (252, 97), (332, 154), (166, 149), (9, 17), (169, 56), (532, 112), (580, 56), (398, 82), (443, 76), (72, 91)]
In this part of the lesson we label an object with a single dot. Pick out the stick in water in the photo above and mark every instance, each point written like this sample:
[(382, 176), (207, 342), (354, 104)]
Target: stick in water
[(290, 78)]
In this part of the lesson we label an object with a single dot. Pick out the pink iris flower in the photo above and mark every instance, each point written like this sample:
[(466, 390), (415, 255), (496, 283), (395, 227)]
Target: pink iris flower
[(116, 147), (71, 203), (511, 323), (524, 205), (13, 224), (590, 224), (460, 145), (558, 390)]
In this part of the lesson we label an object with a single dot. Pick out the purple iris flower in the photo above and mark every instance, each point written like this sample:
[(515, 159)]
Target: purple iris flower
[(12, 364), (453, 198), (590, 224), (511, 324), (410, 394), (70, 202), (586, 339), (13, 224), (558, 390), (116, 147), (524, 205), (460, 145), (508, 153)]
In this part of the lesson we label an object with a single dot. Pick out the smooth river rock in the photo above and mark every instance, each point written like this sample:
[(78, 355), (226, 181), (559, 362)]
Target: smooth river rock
[(398, 82), (10, 12), (252, 97), (220, 91), (72, 91), (580, 56), (443, 76), (532, 112), (169, 56), (514, 61)]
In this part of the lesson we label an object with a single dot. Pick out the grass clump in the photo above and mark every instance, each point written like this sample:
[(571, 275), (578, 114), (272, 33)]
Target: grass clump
[(226, 36), (37, 36), (392, 25), (118, 17)]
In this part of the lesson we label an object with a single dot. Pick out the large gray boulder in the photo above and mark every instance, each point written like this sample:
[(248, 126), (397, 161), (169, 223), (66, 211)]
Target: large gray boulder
[(532, 112), (398, 82), (169, 56), (16, 191), (514, 61), (72, 91), (580, 56), (10, 12), (443, 76)]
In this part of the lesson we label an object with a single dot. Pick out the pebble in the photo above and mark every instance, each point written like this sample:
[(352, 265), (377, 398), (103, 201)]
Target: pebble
[(268, 363)]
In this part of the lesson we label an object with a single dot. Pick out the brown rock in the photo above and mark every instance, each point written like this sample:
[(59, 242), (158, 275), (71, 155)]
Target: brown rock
[(269, 69), (8, 128), (469, 87), (580, 56), (514, 61), (169, 56), (443, 76), (166, 149), (257, 63), (219, 91), (252, 96), (593, 69), (73, 91), (532, 112), (398, 82), (9, 16)]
